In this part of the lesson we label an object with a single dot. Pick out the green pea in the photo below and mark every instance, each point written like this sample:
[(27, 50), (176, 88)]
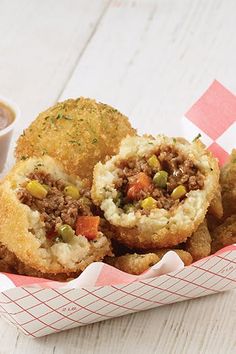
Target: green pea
[(160, 179), (128, 208), (118, 199), (66, 232)]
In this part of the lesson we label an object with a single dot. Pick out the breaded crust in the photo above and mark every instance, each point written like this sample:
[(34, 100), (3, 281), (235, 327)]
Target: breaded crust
[(216, 206), (224, 235), (161, 228), (184, 255), (9, 263), (228, 185), (137, 263), (199, 244), (77, 132), (22, 232), (133, 263)]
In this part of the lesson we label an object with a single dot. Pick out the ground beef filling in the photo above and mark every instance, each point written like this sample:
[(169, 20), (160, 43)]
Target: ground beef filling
[(181, 171), (56, 208)]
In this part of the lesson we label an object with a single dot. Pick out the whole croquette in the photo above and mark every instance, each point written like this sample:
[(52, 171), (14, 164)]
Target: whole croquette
[(77, 132)]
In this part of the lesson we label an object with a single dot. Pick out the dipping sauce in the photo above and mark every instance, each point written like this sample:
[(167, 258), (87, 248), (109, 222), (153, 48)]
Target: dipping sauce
[(6, 116)]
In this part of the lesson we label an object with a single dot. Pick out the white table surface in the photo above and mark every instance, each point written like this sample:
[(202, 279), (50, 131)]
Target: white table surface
[(151, 59)]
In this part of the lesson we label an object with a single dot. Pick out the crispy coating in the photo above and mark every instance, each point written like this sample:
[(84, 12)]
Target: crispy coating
[(216, 206), (78, 133), (162, 228), (137, 263), (23, 245), (212, 222), (120, 249), (9, 263), (133, 263), (228, 185), (184, 255), (199, 244), (224, 235)]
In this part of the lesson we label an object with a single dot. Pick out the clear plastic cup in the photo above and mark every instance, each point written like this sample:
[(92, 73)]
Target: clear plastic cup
[(6, 133)]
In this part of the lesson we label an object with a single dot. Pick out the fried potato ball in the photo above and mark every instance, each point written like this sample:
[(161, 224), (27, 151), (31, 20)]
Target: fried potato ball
[(228, 185), (77, 132), (183, 255), (137, 263), (224, 235), (199, 244), (133, 263)]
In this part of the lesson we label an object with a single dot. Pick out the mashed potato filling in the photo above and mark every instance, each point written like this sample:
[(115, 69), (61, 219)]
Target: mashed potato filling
[(59, 206)]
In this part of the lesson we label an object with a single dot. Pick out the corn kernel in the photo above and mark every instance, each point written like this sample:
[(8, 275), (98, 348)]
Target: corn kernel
[(154, 163), (178, 192), (72, 191), (36, 189), (148, 203)]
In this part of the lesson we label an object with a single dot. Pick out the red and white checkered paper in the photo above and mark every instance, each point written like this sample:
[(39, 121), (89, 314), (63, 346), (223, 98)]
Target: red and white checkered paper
[(39, 307)]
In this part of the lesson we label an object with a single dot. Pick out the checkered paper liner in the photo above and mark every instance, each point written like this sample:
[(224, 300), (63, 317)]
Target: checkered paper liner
[(39, 307), (214, 117)]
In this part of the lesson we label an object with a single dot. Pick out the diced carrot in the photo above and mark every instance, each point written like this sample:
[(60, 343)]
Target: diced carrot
[(87, 226), (142, 182)]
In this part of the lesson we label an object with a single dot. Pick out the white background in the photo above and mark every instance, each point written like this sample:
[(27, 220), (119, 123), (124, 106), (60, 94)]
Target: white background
[(150, 59)]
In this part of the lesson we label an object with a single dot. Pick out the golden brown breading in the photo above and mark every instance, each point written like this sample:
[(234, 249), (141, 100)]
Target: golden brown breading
[(119, 249), (212, 222), (228, 185), (184, 255), (9, 263), (78, 133), (199, 244), (133, 263), (216, 206), (137, 263), (224, 235)]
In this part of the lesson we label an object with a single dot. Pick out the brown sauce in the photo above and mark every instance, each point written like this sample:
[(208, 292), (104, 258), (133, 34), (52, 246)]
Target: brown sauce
[(6, 116)]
